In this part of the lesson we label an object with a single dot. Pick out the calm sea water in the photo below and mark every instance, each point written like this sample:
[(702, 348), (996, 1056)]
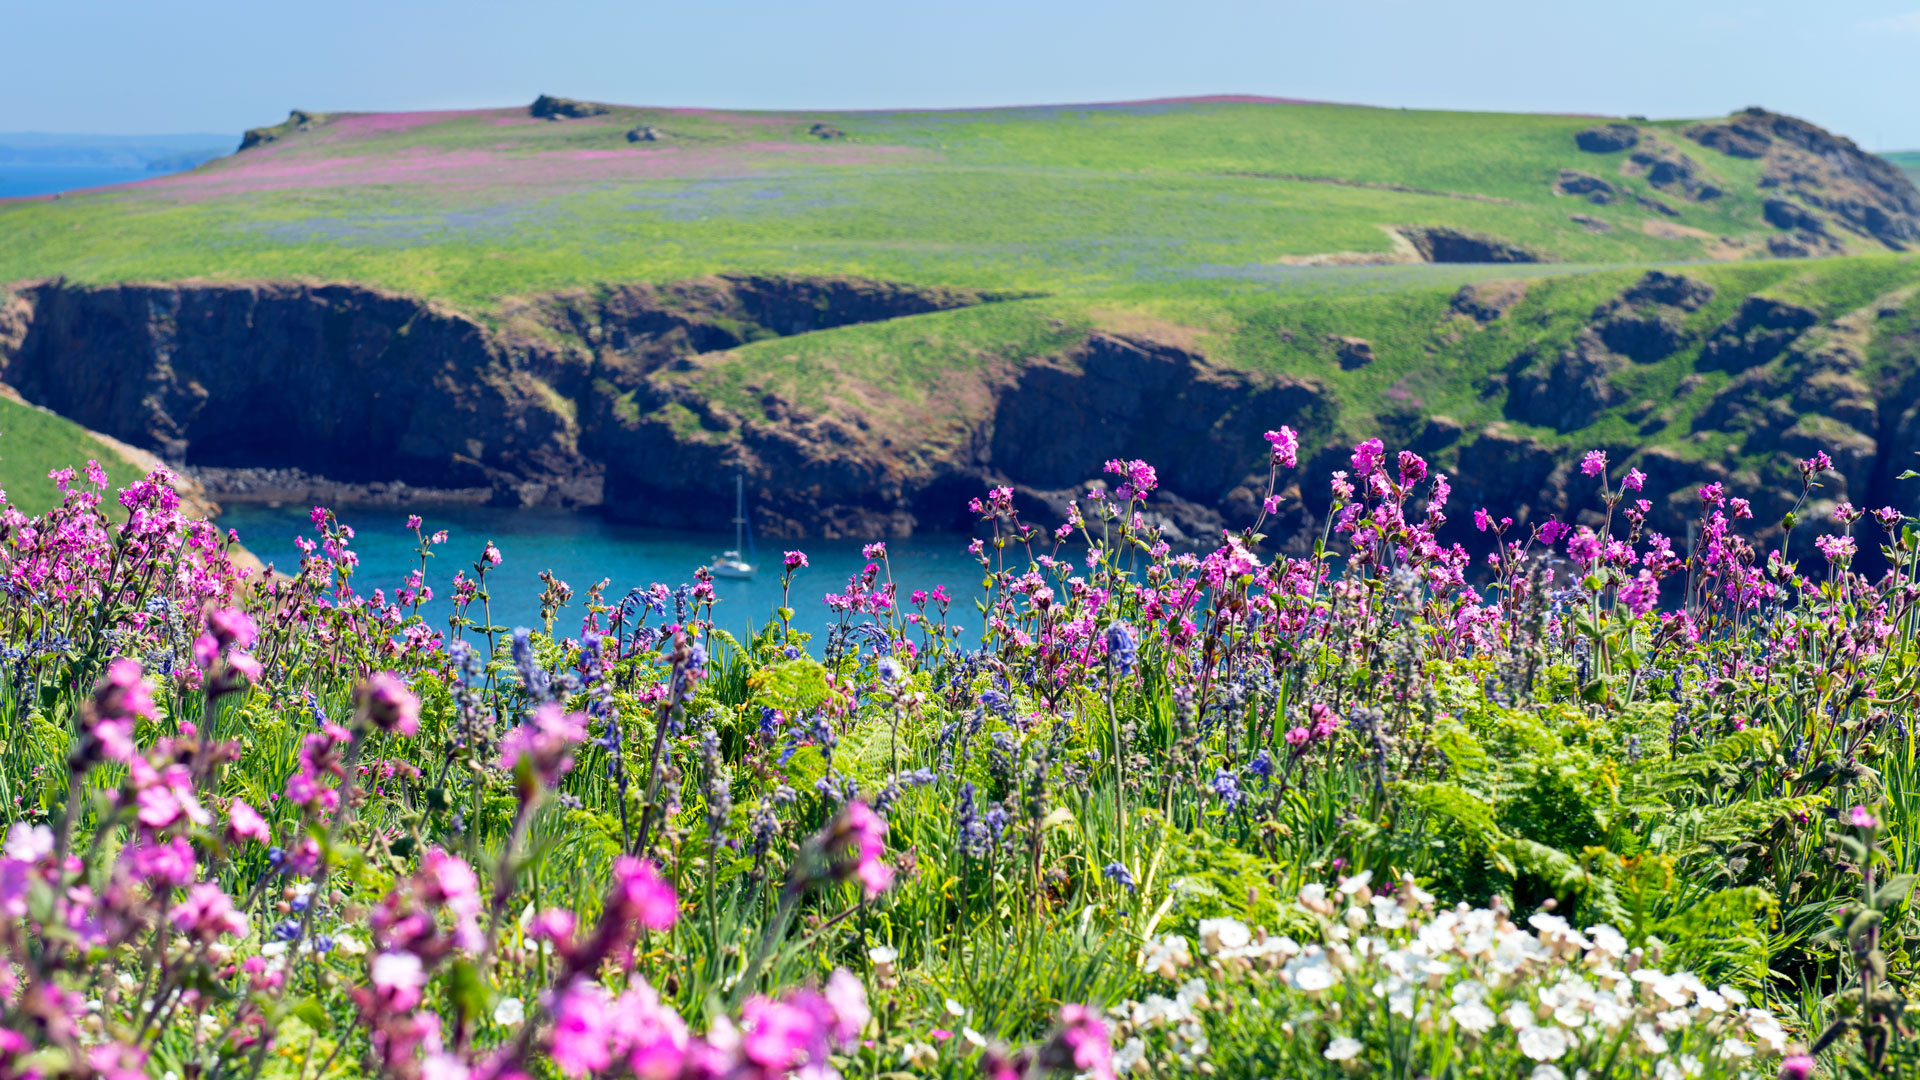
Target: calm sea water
[(581, 549), (18, 180)]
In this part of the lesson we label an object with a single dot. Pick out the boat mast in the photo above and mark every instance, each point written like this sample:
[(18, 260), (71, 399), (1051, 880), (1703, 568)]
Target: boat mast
[(739, 515)]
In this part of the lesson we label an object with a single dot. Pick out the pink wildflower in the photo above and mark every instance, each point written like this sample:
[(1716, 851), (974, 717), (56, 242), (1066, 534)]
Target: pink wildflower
[(1286, 446), (387, 703)]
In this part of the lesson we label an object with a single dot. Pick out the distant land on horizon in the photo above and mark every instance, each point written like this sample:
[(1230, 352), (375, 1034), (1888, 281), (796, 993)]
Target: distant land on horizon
[(42, 163), (872, 315)]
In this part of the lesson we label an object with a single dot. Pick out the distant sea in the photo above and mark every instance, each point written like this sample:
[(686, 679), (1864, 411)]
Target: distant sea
[(38, 163), (16, 180), (581, 549)]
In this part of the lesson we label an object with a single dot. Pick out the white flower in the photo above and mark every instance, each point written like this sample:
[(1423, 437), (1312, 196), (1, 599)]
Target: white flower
[(1131, 1057), (1651, 1039), (1356, 916), (1667, 1070), (1519, 1017), (1355, 883), (1344, 1049), (954, 1008), (1473, 1016), (1607, 942), (510, 1012), (1546, 1072), (1313, 978), (1415, 893), (1734, 1049), (1543, 1043), (1389, 915), (1166, 956), (1221, 935)]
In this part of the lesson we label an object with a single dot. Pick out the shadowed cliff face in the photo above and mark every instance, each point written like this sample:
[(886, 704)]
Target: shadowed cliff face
[(577, 400), (360, 385)]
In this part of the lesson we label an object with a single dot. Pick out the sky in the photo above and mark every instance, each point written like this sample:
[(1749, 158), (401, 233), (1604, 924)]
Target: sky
[(141, 67)]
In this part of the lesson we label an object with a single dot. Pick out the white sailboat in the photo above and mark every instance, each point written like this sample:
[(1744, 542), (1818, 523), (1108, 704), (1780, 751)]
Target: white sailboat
[(732, 564)]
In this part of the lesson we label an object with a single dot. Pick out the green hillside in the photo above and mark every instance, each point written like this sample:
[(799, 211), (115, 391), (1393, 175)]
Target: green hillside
[(1908, 160), (474, 206), (33, 442)]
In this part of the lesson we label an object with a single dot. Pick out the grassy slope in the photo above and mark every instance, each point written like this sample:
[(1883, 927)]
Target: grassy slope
[(471, 207), (909, 376), (1909, 160), (34, 442)]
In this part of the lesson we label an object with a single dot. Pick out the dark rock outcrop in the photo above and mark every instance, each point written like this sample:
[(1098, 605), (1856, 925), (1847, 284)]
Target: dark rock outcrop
[(1607, 138), (549, 107), (1353, 352), (1488, 300), (297, 120), (1670, 290), (1785, 214), (1437, 244), (1569, 391), (1671, 171), (1761, 330), (1646, 322), (1869, 195), (644, 133), (1575, 182)]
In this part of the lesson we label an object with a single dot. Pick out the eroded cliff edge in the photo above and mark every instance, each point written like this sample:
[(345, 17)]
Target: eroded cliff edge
[(608, 398)]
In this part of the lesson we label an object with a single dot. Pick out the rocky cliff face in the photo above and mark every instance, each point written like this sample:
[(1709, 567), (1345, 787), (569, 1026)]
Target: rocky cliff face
[(362, 386), (286, 391)]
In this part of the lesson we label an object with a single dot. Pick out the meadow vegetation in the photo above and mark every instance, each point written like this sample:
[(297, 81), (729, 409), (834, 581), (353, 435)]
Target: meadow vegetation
[(1604, 803)]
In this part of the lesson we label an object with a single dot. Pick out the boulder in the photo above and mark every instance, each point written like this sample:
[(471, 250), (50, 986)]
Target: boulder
[(826, 131), (549, 107), (1784, 214), (1669, 170), (1575, 182), (1607, 138), (1590, 223), (1353, 352), (1671, 290), (1488, 300), (644, 133)]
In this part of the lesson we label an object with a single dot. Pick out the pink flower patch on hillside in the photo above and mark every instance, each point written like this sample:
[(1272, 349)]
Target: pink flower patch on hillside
[(468, 169)]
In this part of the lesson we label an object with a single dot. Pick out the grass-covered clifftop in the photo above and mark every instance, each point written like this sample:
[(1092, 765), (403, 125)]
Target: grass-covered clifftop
[(475, 206)]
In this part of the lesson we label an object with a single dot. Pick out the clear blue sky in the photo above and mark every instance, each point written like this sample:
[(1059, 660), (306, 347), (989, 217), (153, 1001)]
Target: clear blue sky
[(151, 66)]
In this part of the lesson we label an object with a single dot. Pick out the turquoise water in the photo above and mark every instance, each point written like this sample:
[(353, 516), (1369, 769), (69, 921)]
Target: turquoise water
[(582, 548)]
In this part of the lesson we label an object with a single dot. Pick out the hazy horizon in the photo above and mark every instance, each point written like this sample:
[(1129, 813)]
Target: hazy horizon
[(93, 66)]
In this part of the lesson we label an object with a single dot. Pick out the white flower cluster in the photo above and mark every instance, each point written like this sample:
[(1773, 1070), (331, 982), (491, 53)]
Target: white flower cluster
[(1546, 992)]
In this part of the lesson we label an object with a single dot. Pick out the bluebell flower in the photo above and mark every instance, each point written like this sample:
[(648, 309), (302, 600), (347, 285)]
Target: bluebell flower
[(1123, 652)]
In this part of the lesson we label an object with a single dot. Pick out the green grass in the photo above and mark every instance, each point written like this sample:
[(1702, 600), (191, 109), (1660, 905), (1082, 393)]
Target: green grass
[(473, 207), (1908, 160), (34, 442)]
